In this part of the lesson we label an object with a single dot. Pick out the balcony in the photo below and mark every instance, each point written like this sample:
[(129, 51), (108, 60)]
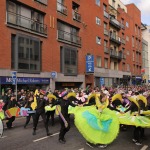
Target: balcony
[(115, 39), (106, 50), (106, 14), (123, 41), (69, 38), (115, 23), (42, 1), (76, 16), (115, 54), (61, 8), (106, 32), (21, 22)]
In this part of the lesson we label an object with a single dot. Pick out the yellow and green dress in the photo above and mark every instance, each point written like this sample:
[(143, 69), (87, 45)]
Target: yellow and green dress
[(97, 126)]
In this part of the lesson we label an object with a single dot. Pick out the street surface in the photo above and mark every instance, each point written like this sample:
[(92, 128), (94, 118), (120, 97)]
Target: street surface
[(19, 138)]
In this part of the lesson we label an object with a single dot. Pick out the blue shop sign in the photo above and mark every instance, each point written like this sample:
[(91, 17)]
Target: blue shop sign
[(89, 64), (101, 81), (25, 80)]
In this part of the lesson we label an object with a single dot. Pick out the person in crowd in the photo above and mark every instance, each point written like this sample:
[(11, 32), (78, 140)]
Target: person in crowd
[(28, 104), (63, 115), (40, 111), (10, 103)]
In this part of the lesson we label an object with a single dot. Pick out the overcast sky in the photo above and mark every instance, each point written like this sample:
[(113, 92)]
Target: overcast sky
[(144, 6)]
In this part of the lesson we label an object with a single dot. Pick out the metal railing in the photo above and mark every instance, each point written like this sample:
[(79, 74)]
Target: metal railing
[(106, 14), (42, 1), (61, 8), (115, 22), (116, 54), (68, 37), (76, 16), (106, 32), (115, 38), (18, 20)]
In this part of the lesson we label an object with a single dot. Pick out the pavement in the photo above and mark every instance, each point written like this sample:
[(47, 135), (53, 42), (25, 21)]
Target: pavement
[(19, 138)]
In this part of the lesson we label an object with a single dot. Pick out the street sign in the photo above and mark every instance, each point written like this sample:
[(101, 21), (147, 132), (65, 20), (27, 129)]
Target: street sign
[(89, 64), (14, 77), (102, 81), (53, 74)]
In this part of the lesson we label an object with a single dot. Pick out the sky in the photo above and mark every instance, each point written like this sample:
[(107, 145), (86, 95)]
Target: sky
[(144, 6)]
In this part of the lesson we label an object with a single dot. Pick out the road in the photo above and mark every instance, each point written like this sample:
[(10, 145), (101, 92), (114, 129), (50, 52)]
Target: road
[(19, 138)]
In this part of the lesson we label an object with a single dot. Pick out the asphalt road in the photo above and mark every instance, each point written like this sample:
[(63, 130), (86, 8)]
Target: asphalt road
[(19, 138)]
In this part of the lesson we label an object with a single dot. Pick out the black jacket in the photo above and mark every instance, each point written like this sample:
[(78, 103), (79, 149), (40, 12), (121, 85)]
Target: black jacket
[(64, 106), (41, 103), (10, 104)]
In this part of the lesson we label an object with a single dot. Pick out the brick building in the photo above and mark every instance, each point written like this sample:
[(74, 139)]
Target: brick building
[(40, 37)]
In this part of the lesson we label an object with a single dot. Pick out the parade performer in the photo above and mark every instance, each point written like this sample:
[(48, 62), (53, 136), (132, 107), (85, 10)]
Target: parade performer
[(28, 105), (98, 126), (10, 104), (40, 111), (63, 115), (50, 111), (134, 118)]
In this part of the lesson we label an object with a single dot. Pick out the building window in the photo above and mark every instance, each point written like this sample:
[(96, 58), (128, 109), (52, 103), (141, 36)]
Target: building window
[(98, 21), (98, 2), (132, 41), (42, 1), (68, 61), (98, 40), (133, 56), (68, 34), (127, 38), (127, 24), (25, 18), (106, 62), (26, 53), (128, 67), (113, 3), (98, 61)]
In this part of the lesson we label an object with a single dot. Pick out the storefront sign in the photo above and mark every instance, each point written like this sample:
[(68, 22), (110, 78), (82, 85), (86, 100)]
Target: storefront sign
[(25, 80)]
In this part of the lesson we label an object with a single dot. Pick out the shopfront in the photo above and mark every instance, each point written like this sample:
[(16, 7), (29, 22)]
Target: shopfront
[(27, 83)]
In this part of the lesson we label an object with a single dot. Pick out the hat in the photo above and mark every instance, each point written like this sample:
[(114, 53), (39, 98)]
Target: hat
[(42, 92), (64, 93)]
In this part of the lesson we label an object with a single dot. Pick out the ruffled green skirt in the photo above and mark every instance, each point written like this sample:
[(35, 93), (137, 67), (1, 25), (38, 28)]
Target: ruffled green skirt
[(96, 127)]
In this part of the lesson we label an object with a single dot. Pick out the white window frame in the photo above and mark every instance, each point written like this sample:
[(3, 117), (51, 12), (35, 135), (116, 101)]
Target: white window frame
[(98, 21), (98, 40), (98, 2)]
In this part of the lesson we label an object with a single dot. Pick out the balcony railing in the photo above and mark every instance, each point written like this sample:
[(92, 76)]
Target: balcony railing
[(115, 39), (23, 22), (115, 23), (106, 14), (106, 50), (106, 32), (115, 54), (61, 8), (42, 1), (123, 41), (68, 37), (76, 16)]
